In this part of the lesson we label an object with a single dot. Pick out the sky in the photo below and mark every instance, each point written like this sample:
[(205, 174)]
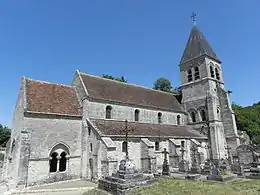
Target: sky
[(141, 40)]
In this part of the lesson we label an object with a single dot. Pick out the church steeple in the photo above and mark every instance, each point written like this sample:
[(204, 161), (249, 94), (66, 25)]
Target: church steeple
[(196, 46)]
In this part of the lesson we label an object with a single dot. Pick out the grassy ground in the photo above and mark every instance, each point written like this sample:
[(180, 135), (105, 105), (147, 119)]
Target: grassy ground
[(185, 187)]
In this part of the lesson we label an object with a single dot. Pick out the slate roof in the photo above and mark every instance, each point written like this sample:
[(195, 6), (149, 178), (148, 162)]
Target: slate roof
[(106, 89), (197, 45), (52, 98), (113, 127)]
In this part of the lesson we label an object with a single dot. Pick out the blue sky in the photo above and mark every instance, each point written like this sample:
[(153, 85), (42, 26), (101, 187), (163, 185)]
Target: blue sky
[(139, 39)]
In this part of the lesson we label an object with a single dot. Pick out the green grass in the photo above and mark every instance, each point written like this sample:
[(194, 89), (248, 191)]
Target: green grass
[(186, 187)]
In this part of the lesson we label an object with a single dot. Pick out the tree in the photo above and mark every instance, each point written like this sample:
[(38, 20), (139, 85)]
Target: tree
[(120, 79), (162, 84), (5, 134), (248, 120)]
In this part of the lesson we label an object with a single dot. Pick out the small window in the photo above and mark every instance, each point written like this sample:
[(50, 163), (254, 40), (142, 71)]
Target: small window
[(90, 147), (197, 73), (108, 112), (212, 72), (217, 74), (178, 119), (182, 144), (63, 162), (53, 162), (193, 116), (137, 115), (203, 115), (124, 146), (189, 75), (157, 146), (218, 113), (159, 118), (89, 130)]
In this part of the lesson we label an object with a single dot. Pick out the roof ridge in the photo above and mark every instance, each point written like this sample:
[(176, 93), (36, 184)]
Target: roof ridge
[(47, 82), (129, 84)]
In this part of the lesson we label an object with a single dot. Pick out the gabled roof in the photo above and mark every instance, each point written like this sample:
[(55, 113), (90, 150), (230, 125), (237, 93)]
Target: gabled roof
[(111, 90), (115, 128), (196, 46), (50, 98)]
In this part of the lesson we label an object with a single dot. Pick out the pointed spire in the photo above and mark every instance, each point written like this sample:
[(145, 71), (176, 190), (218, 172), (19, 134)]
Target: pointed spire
[(196, 46)]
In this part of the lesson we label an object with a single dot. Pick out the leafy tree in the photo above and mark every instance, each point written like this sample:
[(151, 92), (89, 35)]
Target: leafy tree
[(162, 84), (5, 134), (120, 79), (248, 120)]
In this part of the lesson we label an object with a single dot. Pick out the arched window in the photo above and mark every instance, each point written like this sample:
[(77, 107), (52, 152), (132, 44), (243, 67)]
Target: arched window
[(189, 75), (212, 72), (137, 115), (59, 152), (217, 74), (108, 112), (182, 144), (218, 113), (89, 130), (124, 146), (90, 147), (197, 73), (178, 119), (203, 115), (63, 162), (159, 118), (157, 146), (193, 116), (53, 162)]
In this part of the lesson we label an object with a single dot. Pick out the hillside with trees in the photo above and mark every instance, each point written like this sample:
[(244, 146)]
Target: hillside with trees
[(248, 120), (5, 134)]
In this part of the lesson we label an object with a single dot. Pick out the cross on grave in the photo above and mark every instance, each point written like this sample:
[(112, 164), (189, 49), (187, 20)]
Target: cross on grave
[(194, 150), (165, 170), (182, 152), (165, 154), (228, 148), (126, 131)]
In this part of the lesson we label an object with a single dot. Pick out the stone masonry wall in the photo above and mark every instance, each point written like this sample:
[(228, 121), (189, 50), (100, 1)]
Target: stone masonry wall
[(45, 134)]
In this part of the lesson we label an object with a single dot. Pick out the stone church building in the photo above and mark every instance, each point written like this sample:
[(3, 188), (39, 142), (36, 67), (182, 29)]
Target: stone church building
[(64, 132)]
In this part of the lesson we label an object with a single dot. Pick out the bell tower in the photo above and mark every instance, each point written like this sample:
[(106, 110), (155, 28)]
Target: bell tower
[(204, 96)]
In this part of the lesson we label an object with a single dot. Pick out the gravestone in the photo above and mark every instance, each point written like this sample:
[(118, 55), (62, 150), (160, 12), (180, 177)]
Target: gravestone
[(246, 155), (183, 164), (237, 169), (195, 168), (165, 170)]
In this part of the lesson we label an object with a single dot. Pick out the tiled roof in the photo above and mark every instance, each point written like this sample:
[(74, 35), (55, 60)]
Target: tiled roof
[(197, 45), (51, 98), (106, 89), (112, 127)]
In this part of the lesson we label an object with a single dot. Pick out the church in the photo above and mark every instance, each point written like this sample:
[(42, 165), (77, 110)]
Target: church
[(82, 131)]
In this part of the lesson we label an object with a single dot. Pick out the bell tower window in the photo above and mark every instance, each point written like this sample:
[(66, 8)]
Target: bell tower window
[(189, 75), (197, 73)]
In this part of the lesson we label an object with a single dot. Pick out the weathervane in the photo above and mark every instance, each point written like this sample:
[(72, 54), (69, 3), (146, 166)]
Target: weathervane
[(193, 17)]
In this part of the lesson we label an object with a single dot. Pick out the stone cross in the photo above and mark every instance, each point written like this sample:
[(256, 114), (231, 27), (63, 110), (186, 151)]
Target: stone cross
[(126, 131), (182, 153), (165, 154), (194, 150)]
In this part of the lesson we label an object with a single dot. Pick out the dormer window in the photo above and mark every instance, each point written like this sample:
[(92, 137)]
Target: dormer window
[(197, 73), (189, 75)]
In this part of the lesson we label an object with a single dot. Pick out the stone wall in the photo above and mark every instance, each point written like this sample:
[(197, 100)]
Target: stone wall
[(46, 133), (120, 112)]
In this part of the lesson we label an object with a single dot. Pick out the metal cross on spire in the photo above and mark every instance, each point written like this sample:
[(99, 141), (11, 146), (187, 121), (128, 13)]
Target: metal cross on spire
[(193, 17)]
